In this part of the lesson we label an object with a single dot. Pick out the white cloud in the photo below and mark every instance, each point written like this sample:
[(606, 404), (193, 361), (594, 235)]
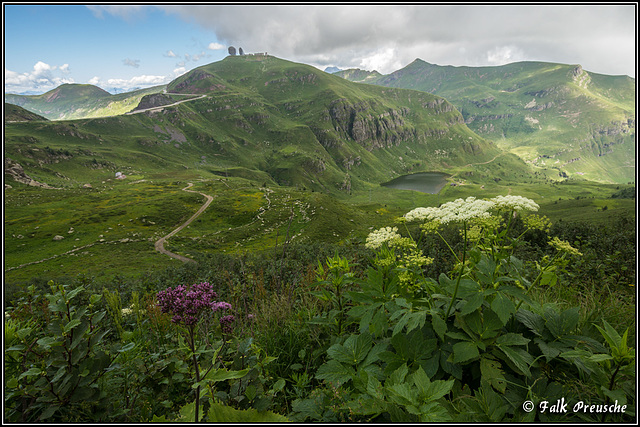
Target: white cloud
[(136, 81), (384, 59), (179, 71), (126, 12), (504, 55), (215, 46), (135, 63), (170, 54), (446, 34), (198, 56), (44, 77)]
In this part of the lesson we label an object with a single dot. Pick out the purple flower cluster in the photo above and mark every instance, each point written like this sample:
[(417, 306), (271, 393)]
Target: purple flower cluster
[(188, 304), (227, 323)]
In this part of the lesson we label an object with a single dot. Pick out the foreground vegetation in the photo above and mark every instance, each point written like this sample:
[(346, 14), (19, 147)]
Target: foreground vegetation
[(464, 312)]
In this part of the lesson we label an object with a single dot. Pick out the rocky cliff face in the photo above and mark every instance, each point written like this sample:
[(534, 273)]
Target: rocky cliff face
[(364, 123)]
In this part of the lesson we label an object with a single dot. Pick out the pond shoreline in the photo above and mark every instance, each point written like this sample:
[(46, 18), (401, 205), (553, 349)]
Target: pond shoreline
[(424, 182)]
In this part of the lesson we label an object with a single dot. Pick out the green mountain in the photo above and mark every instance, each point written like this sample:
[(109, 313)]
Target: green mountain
[(13, 113), (288, 153), (269, 120), (76, 101), (551, 115)]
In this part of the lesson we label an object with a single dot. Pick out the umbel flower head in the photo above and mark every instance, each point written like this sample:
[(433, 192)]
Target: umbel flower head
[(381, 236), (517, 203), (457, 210), (188, 304), (469, 208)]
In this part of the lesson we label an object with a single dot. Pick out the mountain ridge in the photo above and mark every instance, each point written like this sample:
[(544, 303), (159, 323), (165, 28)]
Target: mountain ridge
[(287, 122), (584, 121)]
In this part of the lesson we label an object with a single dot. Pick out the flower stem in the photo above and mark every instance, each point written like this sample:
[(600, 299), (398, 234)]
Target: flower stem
[(537, 278), (464, 255), (197, 370), (449, 246)]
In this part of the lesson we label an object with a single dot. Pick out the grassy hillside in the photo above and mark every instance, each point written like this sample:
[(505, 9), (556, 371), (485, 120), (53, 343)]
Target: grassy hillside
[(13, 113), (267, 118), (289, 153), (74, 101), (551, 115)]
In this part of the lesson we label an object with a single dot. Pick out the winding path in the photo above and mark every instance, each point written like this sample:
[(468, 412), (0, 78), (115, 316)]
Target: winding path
[(159, 245), (159, 108)]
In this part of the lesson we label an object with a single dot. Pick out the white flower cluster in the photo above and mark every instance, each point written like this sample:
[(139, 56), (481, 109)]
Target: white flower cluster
[(515, 203), (460, 210), (378, 237), (469, 208), (419, 214)]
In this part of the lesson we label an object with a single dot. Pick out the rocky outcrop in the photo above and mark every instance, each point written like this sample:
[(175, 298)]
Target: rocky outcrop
[(18, 174), (579, 76), (357, 122)]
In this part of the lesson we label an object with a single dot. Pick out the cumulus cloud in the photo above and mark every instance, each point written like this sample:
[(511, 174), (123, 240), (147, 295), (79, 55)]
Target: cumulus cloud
[(170, 54), (179, 71), (387, 35), (215, 46), (43, 77)]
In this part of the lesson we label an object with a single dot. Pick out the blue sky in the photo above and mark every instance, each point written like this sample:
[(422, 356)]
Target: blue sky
[(122, 47), (48, 46)]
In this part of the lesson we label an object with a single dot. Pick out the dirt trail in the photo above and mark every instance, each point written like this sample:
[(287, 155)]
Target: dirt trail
[(159, 245), (165, 106)]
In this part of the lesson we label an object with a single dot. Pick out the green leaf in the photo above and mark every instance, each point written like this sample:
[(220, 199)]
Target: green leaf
[(32, 372), (600, 357), (439, 325), (72, 294), (473, 303), (222, 374), (72, 324), (374, 388), (23, 333), (417, 320), (188, 413), (465, 351), (520, 358), (47, 413), (17, 347), (279, 385), (610, 335), (531, 320), (563, 323), (491, 372), (47, 342), (353, 351), (402, 394), (503, 307), (430, 390), (398, 376), (548, 278), (335, 372), (512, 339), (79, 334), (127, 347)]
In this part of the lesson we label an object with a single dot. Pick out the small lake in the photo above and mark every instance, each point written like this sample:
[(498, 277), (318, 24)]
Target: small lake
[(425, 182)]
